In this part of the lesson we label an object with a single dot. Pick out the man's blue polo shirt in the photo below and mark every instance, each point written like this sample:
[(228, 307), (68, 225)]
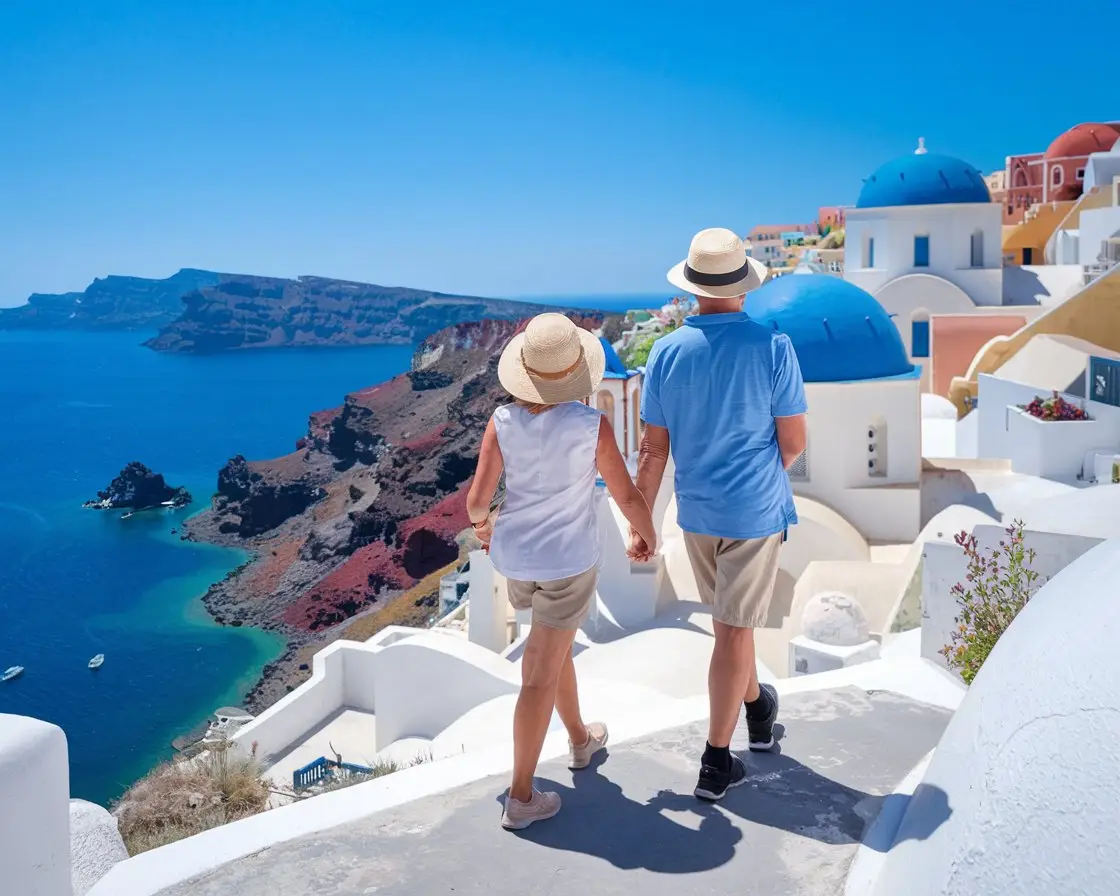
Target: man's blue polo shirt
[(717, 384)]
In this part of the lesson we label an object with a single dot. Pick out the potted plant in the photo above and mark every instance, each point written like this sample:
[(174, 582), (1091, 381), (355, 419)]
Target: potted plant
[(1054, 409)]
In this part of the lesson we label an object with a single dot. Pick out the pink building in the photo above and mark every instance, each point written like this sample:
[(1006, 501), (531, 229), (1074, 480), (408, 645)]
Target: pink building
[(1056, 174), (831, 216)]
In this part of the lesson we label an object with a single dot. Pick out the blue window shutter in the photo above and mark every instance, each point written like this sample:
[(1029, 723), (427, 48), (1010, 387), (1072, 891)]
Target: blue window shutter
[(919, 339), (921, 251)]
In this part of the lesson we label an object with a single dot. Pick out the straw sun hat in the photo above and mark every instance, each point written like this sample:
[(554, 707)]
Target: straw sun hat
[(552, 361), (717, 266)]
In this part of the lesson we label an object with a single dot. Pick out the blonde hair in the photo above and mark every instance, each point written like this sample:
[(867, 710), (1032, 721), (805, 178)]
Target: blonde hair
[(533, 407)]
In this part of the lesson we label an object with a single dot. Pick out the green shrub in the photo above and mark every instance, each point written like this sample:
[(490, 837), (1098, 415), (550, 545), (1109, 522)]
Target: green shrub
[(637, 353), (996, 587)]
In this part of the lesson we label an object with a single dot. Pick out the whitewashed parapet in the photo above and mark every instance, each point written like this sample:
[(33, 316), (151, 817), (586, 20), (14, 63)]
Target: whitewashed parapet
[(34, 808)]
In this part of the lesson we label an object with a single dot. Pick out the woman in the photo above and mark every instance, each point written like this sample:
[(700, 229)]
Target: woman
[(545, 540)]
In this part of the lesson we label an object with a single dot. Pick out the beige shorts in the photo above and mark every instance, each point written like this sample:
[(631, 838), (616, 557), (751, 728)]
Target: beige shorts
[(561, 603), (735, 578)]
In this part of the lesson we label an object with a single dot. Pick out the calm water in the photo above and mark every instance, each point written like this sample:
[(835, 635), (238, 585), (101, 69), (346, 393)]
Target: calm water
[(76, 408), (73, 410)]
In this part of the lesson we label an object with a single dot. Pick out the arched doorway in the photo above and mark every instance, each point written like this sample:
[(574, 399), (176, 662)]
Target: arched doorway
[(604, 401)]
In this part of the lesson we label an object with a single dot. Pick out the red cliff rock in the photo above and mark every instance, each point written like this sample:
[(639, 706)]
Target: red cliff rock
[(372, 501)]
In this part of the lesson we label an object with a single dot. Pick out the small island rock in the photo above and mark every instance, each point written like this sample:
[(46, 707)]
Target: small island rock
[(138, 488)]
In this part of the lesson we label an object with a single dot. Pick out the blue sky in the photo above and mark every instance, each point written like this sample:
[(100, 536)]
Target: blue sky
[(485, 148)]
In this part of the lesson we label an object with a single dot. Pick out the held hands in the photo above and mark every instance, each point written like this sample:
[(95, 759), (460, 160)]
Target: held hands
[(484, 531), (639, 550)]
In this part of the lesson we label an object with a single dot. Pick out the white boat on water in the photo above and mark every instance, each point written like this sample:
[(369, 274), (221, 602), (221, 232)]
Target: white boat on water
[(11, 672), (97, 661)]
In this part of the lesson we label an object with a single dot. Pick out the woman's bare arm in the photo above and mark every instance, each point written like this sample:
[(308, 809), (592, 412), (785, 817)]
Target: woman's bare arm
[(485, 483)]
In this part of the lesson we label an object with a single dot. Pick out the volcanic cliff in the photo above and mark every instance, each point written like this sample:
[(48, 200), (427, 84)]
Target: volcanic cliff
[(109, 303), (371, 502), (244, 312)]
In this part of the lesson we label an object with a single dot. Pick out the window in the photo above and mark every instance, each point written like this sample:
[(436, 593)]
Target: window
[(877, 447), (1081, 174), (919, 335), (1057, 176), (869, 254), (977, 249), (921, 251)]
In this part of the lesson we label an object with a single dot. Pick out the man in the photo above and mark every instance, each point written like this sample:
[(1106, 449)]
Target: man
[(725, 395)]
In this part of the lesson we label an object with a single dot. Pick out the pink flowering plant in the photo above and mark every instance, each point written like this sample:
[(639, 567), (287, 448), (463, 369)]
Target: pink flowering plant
[(1054, 408), (998, 584)]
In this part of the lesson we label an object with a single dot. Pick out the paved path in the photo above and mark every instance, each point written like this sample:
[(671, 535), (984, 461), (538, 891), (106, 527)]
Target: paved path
[(629, 824)]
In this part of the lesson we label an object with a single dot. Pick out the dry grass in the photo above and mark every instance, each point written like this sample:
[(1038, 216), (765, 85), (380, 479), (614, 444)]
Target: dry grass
[(178, 800), (413, 608)]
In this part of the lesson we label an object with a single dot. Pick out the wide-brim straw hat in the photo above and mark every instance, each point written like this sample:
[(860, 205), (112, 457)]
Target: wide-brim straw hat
[(718, 266), (552, 361)]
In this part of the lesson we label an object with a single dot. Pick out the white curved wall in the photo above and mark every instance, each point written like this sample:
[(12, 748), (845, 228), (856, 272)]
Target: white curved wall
[(820, 534), (34, 808), (1023, 793), (464, 675), (392, 676)]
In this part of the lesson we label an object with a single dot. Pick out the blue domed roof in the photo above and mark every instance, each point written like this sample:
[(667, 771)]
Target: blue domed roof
[(923, 178), (840, 333)]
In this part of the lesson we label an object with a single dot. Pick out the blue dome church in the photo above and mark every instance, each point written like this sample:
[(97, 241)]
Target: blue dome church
[(840, 333), (865, 431), (925, 238)]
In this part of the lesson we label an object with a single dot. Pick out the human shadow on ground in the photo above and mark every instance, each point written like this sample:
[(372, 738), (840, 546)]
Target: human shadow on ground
[(782, 793), (599, 819)]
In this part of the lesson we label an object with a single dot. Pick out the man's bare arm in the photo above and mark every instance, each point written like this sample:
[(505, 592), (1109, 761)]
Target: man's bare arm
[(652, 459), (793, 434)]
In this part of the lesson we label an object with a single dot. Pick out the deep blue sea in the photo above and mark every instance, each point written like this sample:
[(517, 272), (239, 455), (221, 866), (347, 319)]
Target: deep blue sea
[(74, 409)]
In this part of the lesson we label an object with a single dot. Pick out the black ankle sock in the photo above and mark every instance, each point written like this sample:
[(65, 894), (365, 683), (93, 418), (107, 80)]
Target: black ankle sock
[(759, 709), (720, 757)]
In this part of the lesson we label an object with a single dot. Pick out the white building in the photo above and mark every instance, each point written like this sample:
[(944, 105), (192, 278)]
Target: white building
[(925, 238), (1091, 238), (927, 215), (864, 451), (619, 398)]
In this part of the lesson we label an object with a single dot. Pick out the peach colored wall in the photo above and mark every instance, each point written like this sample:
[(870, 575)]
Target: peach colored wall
[(956, 338)]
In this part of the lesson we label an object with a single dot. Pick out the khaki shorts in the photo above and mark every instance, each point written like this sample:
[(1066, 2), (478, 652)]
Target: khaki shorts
[(735, 577), (561, 603)]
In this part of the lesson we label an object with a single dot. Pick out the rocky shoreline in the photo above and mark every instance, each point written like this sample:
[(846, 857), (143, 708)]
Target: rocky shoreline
[(369, 507)]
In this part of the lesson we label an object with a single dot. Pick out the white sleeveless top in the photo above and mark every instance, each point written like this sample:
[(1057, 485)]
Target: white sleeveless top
[(547, 527)]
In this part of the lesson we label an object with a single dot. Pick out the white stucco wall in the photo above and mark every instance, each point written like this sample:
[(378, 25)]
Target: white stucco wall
[(840, 417), (34, 808), (949, 228), (1022, 795), (1101, 168), (1056, 449), (1096, 226), (393, 677), (1039, 285), (944, 565)]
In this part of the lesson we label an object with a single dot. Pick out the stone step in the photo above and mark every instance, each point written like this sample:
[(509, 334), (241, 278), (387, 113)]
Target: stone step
[(630, 823)]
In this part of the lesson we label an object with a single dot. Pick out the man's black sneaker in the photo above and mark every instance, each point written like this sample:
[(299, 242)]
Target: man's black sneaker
[(761, 731), (715, 782)]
